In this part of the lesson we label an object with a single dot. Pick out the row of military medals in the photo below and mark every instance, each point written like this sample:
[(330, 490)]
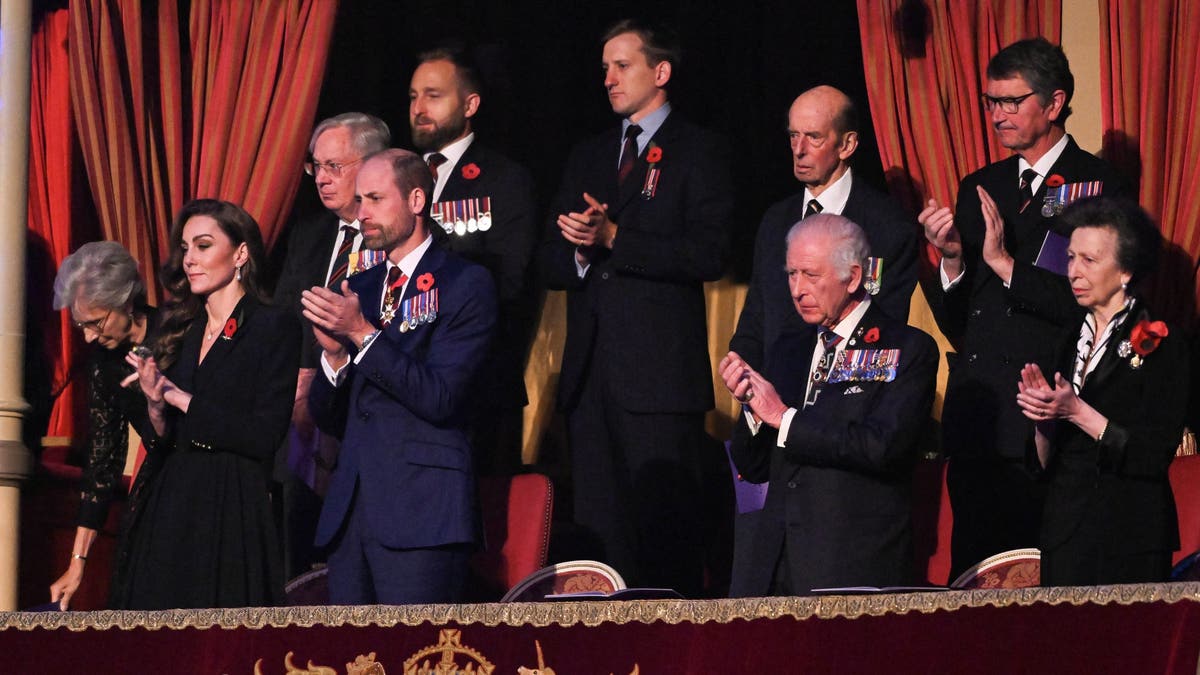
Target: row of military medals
[(1057, 198), (869, 365), (464, 216), (415, 311)]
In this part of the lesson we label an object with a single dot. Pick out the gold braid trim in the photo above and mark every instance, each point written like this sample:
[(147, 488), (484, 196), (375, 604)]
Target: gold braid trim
[(590, 613)]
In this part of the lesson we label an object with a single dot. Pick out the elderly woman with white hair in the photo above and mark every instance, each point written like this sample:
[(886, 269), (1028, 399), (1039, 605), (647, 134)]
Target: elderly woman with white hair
[(106, 296)]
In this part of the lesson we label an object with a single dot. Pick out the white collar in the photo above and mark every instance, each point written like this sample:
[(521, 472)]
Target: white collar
[(845, 327), (452, 152), (833, 198), (1046, 162), (408, 264)]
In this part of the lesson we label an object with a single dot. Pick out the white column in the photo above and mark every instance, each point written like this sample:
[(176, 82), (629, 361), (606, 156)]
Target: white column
[(16, 463)]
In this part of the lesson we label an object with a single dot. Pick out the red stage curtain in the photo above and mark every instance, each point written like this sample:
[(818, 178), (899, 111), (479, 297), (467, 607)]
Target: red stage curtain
[(230, 121), (1149, 82), (126, 97), (925, 66), (50, 219), (256, 76)]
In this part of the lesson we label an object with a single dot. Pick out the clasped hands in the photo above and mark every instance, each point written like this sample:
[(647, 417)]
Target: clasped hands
[(158, 390), (938, 222), (750, 388), (1041, 402), (337, 321), (588, 229)]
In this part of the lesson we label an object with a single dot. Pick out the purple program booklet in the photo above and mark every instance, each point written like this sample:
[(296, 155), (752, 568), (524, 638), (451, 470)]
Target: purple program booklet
[(1053, 256)]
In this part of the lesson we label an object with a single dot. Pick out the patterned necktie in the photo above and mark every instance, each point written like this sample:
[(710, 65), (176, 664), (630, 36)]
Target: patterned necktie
[(392, 293), (1027, 178), (341, 262), (820, 374), (814, 207), (629, 153), (435, 160)]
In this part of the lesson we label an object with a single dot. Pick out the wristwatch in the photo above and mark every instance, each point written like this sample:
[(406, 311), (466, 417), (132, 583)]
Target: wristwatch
[(368, 339)]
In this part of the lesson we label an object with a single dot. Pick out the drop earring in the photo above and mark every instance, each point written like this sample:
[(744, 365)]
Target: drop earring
[(239, 272)]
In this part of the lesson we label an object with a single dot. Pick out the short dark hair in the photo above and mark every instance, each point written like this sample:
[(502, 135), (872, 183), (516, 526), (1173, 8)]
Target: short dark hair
[(659, 43), (1138, 239), (464, 67), (1043, 65), (410, 173)]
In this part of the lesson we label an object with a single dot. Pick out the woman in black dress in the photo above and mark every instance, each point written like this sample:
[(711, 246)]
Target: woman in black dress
[(1108, 427), (101, 286), (219, 390)]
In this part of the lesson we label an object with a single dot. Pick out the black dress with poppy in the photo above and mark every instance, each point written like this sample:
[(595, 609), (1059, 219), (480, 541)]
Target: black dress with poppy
[(205, 536), (1110, 514)]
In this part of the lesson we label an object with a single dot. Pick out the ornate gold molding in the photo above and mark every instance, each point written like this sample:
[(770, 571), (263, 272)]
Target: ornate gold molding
[(594, 613)]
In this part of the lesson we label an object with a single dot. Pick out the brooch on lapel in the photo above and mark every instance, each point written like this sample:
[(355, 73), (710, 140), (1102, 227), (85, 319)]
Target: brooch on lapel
[(470, 171), (1143, 339), (464, 216), (231, 327), (1059, 193), (653, 157), (422, 308)]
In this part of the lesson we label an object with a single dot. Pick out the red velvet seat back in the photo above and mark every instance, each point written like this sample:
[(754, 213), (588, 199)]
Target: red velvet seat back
[(516, 522)]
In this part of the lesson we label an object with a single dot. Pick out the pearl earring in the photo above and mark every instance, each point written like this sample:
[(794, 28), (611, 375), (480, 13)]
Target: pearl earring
[(239, 272)]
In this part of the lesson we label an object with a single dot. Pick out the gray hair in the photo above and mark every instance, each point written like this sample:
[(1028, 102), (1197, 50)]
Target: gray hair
[(850, 246), (103, 274), (368, 134)]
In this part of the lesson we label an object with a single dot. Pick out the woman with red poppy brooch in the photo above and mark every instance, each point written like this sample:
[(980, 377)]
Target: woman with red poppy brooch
[(1107, 423)]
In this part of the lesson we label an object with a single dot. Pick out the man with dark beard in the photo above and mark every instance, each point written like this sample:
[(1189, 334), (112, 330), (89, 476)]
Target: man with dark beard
[(484, 203)]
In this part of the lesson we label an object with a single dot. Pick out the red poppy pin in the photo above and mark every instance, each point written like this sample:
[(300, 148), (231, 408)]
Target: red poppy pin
[(1054, 180), (654, 155), (425, 281), (231, 326), (1146, 335), (872, 336), (470, 171)]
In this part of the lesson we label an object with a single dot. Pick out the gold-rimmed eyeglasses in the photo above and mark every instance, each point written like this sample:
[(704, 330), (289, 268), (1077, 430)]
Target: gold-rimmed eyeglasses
[(1008, 104), (95, 325), (335, 169)]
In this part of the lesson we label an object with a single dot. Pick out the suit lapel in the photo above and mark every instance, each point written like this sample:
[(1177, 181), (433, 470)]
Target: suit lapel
[(1111, 359), (226, 341), (456, 185), (428, 264), (632, 187)]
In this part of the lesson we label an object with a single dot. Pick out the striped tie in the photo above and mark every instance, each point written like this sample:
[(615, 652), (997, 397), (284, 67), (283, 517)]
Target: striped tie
[(1027, 178), (814, 207), (341, 263), (629, 153)]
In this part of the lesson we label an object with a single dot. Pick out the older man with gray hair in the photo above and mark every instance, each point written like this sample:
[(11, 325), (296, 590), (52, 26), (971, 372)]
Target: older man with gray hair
[(832, 421)]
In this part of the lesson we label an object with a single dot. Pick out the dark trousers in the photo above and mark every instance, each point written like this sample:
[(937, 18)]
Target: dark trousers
[(364, 572), (637, 486), (997, 507)]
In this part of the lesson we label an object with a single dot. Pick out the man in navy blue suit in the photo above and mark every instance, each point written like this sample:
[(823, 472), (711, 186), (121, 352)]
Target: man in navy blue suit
[(401, 345), (639, 224)]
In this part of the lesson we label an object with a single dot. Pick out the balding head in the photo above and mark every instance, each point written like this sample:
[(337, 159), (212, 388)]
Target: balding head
[(823, 128)]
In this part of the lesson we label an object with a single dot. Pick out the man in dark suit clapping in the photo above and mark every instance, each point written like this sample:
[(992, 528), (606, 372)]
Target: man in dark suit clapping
[(832, 420), (402, 344), (639, 224), (1003, 296)]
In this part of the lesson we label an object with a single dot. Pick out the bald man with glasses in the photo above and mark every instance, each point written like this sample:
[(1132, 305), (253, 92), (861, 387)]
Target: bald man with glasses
[(1003, 294)]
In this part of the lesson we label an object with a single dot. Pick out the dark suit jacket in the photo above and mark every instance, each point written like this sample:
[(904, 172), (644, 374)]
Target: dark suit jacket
[(1118, 490), (506, 250), (640, 307), (401, 412), (840, 490), (998, 330), (769, 312), (309, 249)]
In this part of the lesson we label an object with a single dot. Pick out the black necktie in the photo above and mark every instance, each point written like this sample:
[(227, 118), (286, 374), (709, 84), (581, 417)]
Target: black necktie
[(1027, 178), (820, 374), (341, 263), (435, 160), (629, 153), (814, 207)]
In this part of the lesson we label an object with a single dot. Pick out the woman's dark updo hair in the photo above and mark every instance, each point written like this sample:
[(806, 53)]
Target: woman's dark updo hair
[(1138, 239), (241, 228)]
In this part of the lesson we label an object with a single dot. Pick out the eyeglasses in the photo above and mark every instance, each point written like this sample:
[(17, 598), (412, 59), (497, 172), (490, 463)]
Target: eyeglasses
[(95, 325), (1008, 104), (334, 169)]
